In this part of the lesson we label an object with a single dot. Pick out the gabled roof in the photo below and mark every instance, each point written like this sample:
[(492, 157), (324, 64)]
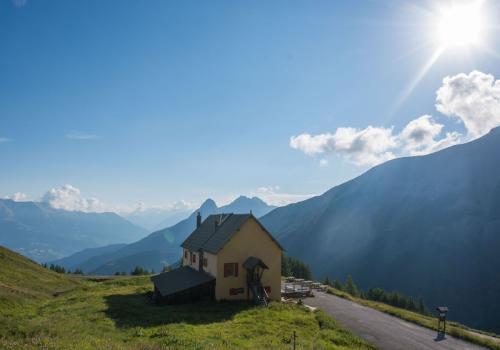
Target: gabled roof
[(217, 230), (180, 279)]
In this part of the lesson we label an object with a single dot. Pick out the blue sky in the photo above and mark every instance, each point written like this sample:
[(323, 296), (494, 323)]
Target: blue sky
[(161, 101)]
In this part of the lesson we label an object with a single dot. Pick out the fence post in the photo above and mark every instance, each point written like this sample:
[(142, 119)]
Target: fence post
[(294, 336)]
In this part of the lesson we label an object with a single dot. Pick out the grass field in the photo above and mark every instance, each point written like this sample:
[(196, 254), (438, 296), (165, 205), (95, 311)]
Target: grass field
[(42, 309), (453, 328)]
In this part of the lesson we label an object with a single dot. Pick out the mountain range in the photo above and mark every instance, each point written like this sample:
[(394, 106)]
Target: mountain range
[(153, 219), (161, 247), (427, 226), (43, 233)]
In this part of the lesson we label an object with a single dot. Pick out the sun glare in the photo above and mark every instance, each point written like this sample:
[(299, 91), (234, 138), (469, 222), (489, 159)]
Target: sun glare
[(460, 25)]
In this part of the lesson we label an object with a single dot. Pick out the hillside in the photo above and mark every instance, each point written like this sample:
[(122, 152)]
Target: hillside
[(23, 281), (43, 233), (73, 261), (55, 312), (428, 226), (163, 247)]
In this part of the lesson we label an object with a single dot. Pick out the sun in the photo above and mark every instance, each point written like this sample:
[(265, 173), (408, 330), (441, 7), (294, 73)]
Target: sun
[(460, 24)]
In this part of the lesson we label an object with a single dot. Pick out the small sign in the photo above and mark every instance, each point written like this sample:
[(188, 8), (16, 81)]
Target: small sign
[(236, 291)]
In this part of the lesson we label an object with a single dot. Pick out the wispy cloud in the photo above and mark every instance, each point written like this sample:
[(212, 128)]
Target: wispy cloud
[(76, 135), (19, 3), (17, 197), (4, 139), (323, 162), (274, 196)]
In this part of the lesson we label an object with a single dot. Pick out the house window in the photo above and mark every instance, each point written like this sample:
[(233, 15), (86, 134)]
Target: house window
[(231, 270), (185, 254), (205, 262), (194, 258)]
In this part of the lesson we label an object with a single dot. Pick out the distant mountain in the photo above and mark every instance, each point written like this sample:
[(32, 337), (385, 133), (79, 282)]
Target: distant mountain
[(427, 226), (163, 247), (156, 218), (43, 233)]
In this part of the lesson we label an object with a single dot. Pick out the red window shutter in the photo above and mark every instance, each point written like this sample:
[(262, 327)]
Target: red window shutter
[(194, 258), (236, 269)]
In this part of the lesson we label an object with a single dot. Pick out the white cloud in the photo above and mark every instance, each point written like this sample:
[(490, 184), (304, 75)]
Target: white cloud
[(311, 145), (76, 135), (373, 145), (369, 146), (419, 137), (272, 195), (17, 197), (450, 139), (473, 98), (4, 139), (69, 198)]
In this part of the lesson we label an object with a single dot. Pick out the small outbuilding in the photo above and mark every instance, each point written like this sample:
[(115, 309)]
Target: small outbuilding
[(227, 257)]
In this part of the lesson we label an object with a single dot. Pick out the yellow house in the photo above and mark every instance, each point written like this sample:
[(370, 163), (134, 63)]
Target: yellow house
[(227, 257)]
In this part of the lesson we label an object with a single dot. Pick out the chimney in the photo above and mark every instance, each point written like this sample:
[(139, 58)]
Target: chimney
[(198, 220), (218, 221)]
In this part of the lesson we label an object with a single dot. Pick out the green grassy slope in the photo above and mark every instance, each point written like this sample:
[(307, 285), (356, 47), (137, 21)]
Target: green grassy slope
[(23, 281), (41, 309)]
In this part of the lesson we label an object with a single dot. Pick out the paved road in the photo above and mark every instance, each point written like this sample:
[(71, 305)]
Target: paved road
[(384, 331)]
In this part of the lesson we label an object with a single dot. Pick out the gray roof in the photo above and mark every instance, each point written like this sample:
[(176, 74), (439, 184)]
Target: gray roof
[(216, 230), (179, 279)]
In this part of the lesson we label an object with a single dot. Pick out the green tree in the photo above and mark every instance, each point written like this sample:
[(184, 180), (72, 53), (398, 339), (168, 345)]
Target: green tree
[(286, 270), (294, 267), (338, 285), (350, 287)]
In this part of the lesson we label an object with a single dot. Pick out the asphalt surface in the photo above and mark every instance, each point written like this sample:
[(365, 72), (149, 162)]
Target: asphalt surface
[(382, 330)]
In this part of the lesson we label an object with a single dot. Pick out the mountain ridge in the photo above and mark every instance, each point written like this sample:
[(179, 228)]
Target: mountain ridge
[(427, 226), (162, 247)]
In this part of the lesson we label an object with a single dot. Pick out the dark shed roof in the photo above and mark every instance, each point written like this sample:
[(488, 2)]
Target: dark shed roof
[(217, 230), (252, 262), (179, 279)]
